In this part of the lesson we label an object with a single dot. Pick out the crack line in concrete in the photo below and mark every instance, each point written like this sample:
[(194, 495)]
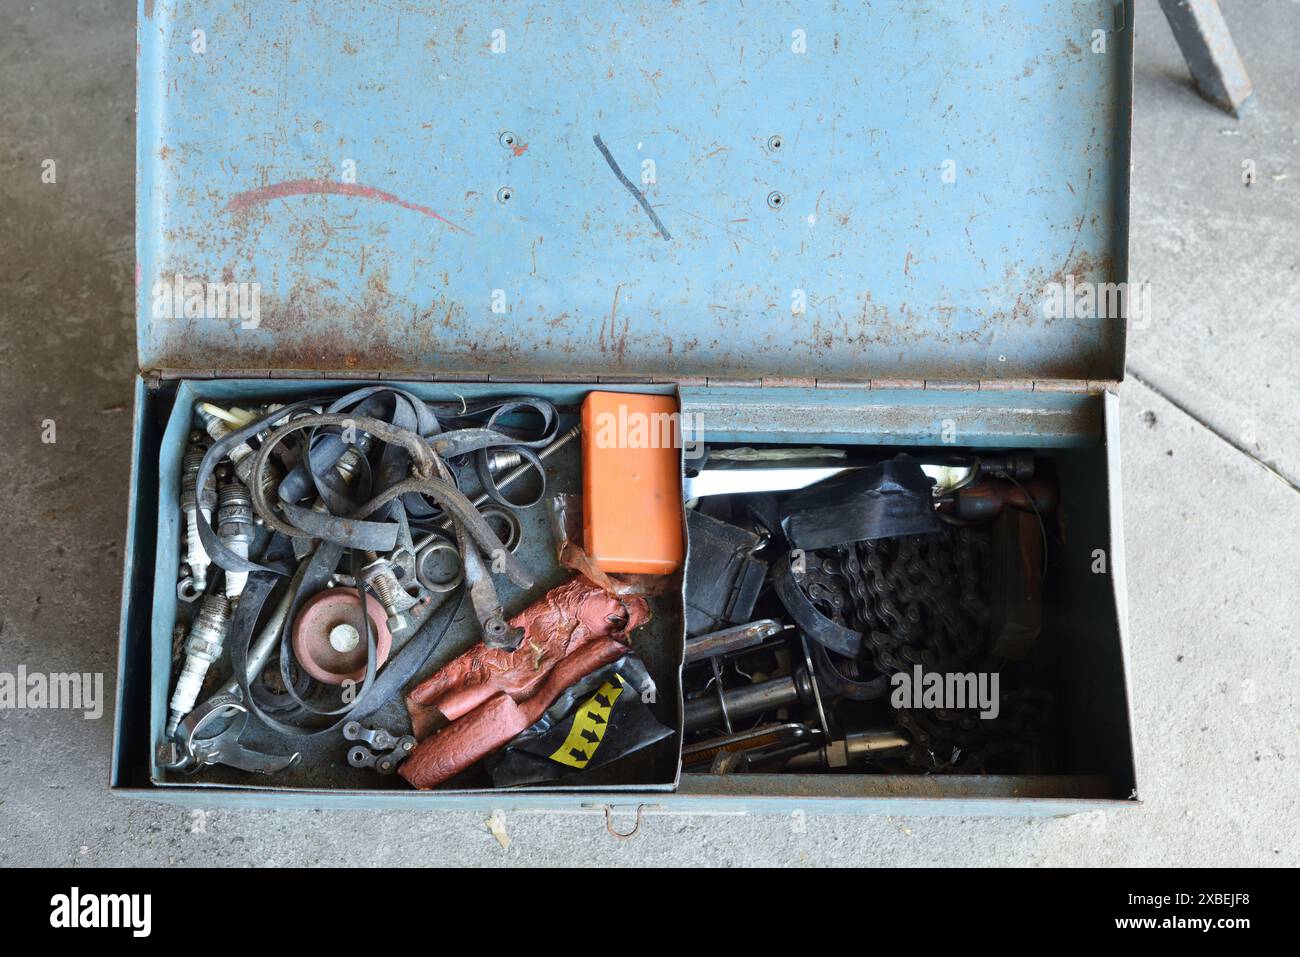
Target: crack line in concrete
[(1141, 378)]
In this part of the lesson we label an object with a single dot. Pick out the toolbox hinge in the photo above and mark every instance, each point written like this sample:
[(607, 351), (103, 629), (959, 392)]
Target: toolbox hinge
[(1088, 386), (154, 377)]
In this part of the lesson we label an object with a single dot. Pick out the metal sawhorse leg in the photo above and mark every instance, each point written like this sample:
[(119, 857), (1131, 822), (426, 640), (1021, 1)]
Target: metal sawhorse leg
[(1207, 46)]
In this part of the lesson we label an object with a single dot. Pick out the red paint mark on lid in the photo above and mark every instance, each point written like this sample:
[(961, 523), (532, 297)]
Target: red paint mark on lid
[(328, 187)]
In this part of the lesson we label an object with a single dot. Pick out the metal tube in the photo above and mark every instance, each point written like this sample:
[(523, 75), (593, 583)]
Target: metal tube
[(259, 652), (753, 699)]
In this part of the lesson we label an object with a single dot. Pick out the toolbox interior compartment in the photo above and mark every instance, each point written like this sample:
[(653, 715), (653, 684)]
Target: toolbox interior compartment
[(1091, 754), (323, 762)]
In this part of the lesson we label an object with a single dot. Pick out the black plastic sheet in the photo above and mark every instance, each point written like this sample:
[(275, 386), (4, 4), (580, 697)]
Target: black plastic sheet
[(595, 722), (878, 501)]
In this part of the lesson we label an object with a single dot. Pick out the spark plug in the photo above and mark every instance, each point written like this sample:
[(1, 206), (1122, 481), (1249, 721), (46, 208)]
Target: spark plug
[(201, 649), (241, 455), (235, 526), (219, 428), (345, 466), (196, 502), (347, 463)]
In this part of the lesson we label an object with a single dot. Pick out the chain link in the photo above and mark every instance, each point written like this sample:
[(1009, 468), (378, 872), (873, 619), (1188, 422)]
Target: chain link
[(919, 600)]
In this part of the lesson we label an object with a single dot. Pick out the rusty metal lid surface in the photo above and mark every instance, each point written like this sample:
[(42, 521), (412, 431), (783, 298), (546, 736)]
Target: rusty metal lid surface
[(840, 191)]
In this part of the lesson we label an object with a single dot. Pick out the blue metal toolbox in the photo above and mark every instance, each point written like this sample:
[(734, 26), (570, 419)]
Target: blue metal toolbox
[(811, 223)]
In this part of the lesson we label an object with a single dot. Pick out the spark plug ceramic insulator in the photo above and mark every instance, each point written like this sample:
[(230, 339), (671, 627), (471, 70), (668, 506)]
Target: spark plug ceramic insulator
[(241, 455), (201, 649), (236, 528), (219, 428), (197, 504)]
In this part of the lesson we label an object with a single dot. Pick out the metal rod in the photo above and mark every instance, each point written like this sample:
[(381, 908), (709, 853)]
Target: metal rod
[(735, 638), (268, 640)]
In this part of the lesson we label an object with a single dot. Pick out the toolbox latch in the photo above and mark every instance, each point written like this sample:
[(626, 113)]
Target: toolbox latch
[(609, 819)]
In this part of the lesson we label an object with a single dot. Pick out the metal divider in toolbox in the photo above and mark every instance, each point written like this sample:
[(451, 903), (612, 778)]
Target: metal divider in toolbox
[(843, 226)]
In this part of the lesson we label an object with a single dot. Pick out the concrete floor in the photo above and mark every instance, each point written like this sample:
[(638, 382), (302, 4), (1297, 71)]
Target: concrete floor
[(1211, 459)]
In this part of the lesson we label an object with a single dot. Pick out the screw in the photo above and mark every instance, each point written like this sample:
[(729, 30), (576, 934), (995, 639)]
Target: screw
[(775, 199), (504, 194), (508, 139), (774, 142), (378, 574)]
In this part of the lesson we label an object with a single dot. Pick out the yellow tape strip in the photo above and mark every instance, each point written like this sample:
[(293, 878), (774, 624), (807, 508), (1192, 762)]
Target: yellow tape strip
[(589, 726)]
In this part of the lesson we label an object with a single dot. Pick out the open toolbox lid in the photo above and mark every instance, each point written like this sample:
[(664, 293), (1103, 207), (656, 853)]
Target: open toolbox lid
[(391, 177)]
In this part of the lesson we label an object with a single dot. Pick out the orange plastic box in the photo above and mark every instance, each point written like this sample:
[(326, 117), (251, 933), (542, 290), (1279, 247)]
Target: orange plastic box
[(631, 477)]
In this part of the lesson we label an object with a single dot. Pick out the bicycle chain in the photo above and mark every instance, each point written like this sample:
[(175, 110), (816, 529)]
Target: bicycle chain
[(918, 600)]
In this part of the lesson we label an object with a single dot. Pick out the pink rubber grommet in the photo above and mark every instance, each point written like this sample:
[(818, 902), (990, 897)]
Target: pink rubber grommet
[(327, 637)]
